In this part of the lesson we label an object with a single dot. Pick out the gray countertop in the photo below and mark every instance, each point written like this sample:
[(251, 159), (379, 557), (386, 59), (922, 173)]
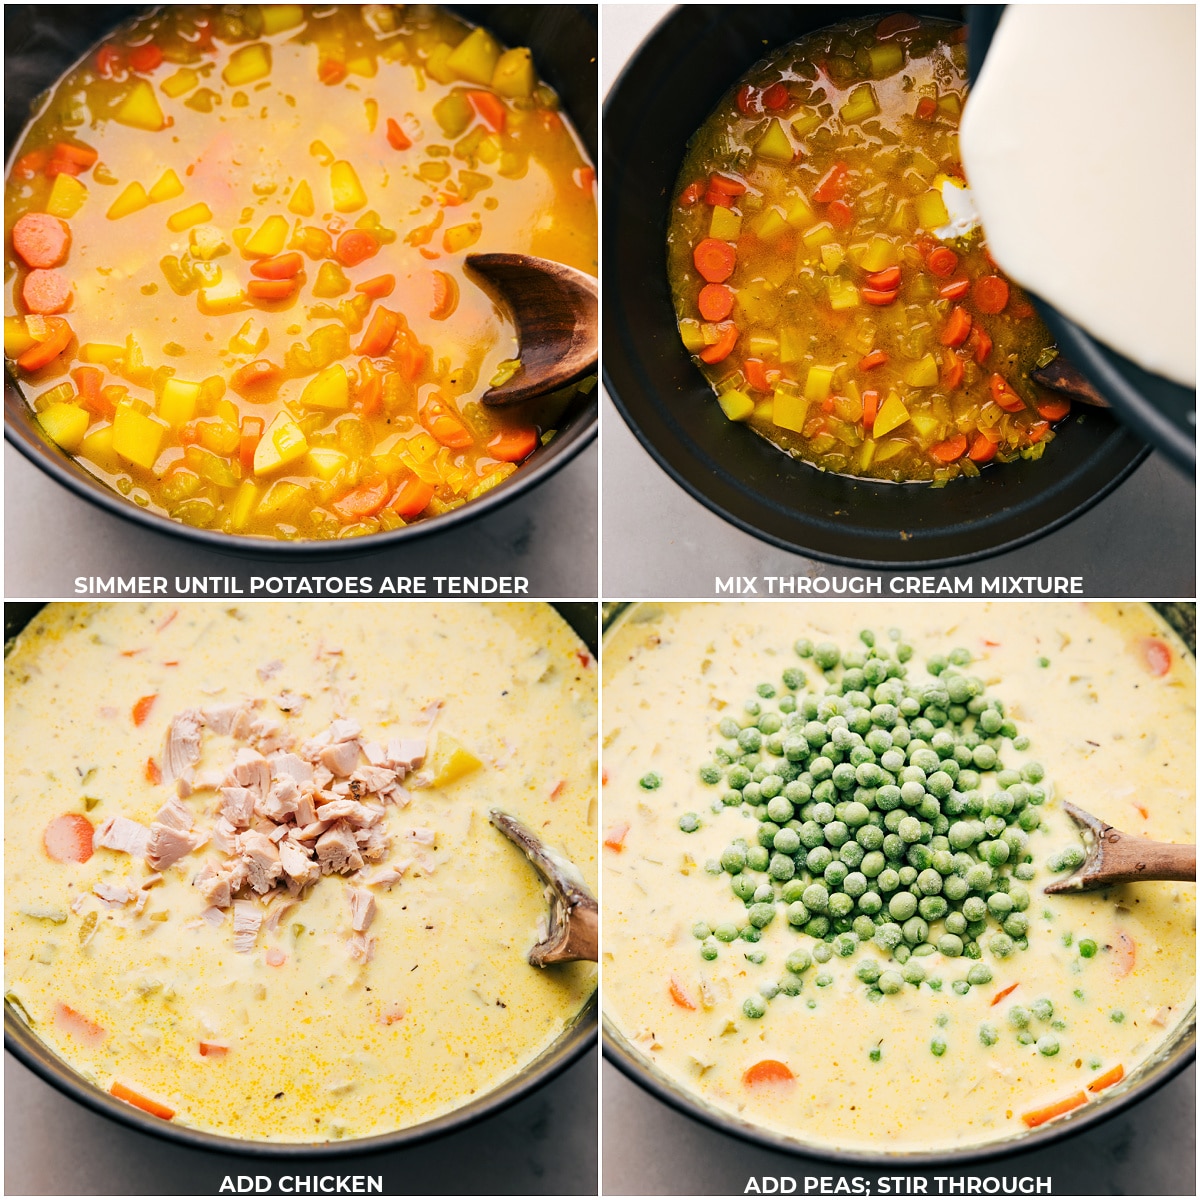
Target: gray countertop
[(542, 1145)]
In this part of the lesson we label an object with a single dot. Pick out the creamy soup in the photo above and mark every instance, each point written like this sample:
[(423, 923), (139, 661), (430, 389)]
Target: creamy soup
[(188, 933), (889, 972)]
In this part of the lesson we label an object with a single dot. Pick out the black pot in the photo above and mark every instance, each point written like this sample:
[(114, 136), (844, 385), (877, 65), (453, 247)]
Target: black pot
[(43, 42), (663, 96), (575, 1040)]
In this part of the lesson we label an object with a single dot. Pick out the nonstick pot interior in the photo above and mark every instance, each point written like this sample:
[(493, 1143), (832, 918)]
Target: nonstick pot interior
[(43, 41), (576, 1039), (664, 95)]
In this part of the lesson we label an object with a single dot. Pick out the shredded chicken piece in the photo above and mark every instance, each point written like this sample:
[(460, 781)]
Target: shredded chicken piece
[(247, 918), (182, 750), (362, 909), (337, 850), (115, 894), (269, 670), (123, 835)]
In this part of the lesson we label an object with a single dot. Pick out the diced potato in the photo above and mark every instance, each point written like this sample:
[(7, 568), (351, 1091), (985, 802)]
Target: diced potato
[(269, 239), (282, 499), (459, 237), (180, 83), (243, 505), (819, 383), (799, 213), (885, 58), (247, 64), (842, 293), (860, 105), (167, 187), (283, 442), (475, 57), (348, 194), (792, 344), (17, 338), (892, 414), (207, 242), (689, 332), (330, 281), (65, 425), (774, 144), (278, 17), (362, 65), (97, 448), (177, 403), (225, 296), (185, 218), (903, 218), (422, 447), (437, 65), (325, 464), (769, 224), (881, 253), (514, 75), (866, 454), (925, 424), (832, 256), (931, 210), (136, 436), (790, 411), (949, 105), (923, 373), (329, 389), (66, 196), (725, 225), (129, 201), (453, 113), (250, 339), (762, 345), (818, 235), (140, 108), (301, 202), (806, 121), (736, 405)]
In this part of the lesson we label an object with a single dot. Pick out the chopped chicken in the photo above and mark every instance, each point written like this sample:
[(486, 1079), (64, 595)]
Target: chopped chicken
[(404, 754), (247, 917), (341, 757), (362, 909), (269, 670), (337, 850), (182, 750), (214, 886), (166, 845), (387, 877), (362, 948), (237, 806), (124, 835), (175, 815), (115, 893), (262, 860), (251, 770)]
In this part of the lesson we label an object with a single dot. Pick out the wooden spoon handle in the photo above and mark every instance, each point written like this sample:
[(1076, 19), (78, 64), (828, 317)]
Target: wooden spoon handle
[(1124, 858), (1060, 375)]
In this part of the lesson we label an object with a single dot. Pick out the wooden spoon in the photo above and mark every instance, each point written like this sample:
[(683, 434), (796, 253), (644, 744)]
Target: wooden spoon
[(574, 914), (1060, 375), (1116, 857), (556, 311)]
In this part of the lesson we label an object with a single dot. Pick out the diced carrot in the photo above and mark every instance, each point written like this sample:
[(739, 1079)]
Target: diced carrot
[(942, 261), (69, 838), (886, 280), (145, 58), (832, 185), (331, 70), (840, 214), (870, 402), (957, 326), (718, 199), (715, 260), (1053, 408), (1157, 656), (408, 354), (952, 370), (251, 435), (770, 1072), (445, 425), (270, 289), (213, 1049), (1040, 1116), (614, 838), (362, 501), (680, 996), (726, 184), (1012, 987), (108, 61), (990, 294), (87, 383), (139, 1101), (491, 109), (380, 334), (141, 710), (83, 157), (41, 240), (411, 498), (926, 108), (877, 297), (445, 296), (397, 138), (776, 97), (715, 302), (951, 450), (111, 394), (370, 389), (980, 345), (748, 101), (81, 1028), (895, 23), (721, 350), (377, 287), (514, 445), (355, 246), (983, 449), (153, 772), (282, 266), (955, 290), (58, 337), (1037, 431), (1107, 1079), (756, 374), (1141, 810), (28, 165), (875, 359), (1124, 954), (255, 375), (46, 292), (691, 194), (1002, 393)]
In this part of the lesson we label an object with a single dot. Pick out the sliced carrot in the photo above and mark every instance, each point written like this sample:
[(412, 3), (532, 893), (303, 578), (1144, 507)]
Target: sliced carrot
[(69, 838), (141, 710), (251, 435), (355, 246), (1040, 1116), (397, 138), (980, 345), (514, 445), (380, 334), (776, 97), (718, 199), (270, 289), (756, 374), (951, 450), (81, 1028), (87, 385), (153, 772), (840, 214), (1053, 408), (957, 326), (614, 838), (832, 185), (942, 261), (28, 165), (139, 1101), (213, 1049), (691, 194), (411, 498), (714, 260), (952, 370), (444, 424), (721, 349), (1002, 393), (680, 996), (954, 290), (726, 184), (926, 109), (886, 280), (282, 266), (331, 71), (378, 287), (58, 337), (1107, 1079), (990, 294), (362, 501), (491, 109), (69, 159), (254, 375), (46, 292), (1157, 655), (770, 1071), (983, 450), (445, 296), (408, 354), (875, 359), (370, 389), (1124, 955), (1012, 987), (877, 297), (145, 58), (715, 302), (41, 240), (870, 402)]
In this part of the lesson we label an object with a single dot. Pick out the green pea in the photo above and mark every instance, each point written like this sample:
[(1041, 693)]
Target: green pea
[(989, 1035), (913, 973), (1025, 1038), (1042, 1008), (754, 1008), (709, 950), (902, 906), (761, 915), (956, 923), (804, 648), (650, 781), (1087, 948), (915, 931), (1047, 1044), (758, 858), (875, 1054), (890, 982), (937, 1047), (979, 975), (726, 932), (1018, 1017), (689, 822), (1116, 1016), (786, 841), (951, 945), (789, 985), (1016, 925), (781, 867), (798, 961)]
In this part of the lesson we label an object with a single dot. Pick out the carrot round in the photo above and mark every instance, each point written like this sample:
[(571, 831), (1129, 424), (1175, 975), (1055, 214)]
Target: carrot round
[(445, 296), (875, 359), (990, 294), (145, 58), (270, 289), (380, 334), (770, 1071), (282, 266), (726, 185), (355, 246), (926, 109), (957, 326), (895, 23), (377, 287), (362, 501), (879, 297), (840, 214), (1040, 1116), (776, 97), (69, 838), (715, 302), (951, 450), (58, 337), (983, 450), (721, 349), (46, 292), (1002, 393), (41, 240), (411, 498), (254, 375), (514, 445), (955, 290), (942, 261), (1053, 409), (756, 374), (714, 260), (885, 280), (1157, 655), (139, 1101)]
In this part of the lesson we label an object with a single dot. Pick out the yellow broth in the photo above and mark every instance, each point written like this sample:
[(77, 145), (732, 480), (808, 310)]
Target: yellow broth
[(827, 274), (267, 326)]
